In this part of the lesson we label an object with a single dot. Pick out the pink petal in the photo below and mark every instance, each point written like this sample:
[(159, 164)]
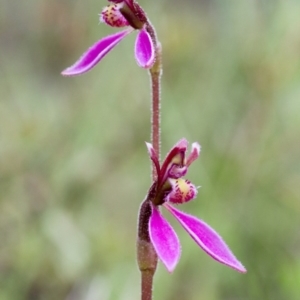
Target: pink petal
[(164, 240), (175, 156), (95, 53), (194, 154), (144, 49), (207, 239), (153, 157)]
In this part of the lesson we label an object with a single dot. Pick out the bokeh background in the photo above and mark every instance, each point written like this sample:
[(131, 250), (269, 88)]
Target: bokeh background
[(74, 167)]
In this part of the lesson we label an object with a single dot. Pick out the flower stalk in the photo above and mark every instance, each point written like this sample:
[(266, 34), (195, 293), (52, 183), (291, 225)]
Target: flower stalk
[(155, 76), (146, 254)]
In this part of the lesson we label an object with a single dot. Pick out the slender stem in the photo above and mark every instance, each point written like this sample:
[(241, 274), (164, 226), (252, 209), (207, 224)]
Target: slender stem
[(147, 257), (147, 282), (155, 118), (155, 76)]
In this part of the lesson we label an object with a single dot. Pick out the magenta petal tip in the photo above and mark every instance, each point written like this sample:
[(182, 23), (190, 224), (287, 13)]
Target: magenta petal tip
[(144, 50), (181, 144), (195, 152), (153, 157), (150, 148), (207, 238), (164, 240), (95, 53)]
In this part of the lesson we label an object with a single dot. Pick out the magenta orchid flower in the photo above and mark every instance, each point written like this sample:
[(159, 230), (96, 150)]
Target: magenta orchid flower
[(170, 188), (118, 13)]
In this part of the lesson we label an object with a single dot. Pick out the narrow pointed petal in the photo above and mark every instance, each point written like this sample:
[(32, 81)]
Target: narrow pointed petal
[(153, 157), (95, 53), (194, 154), (144, 50), (164, 240), (174, 159), (207, 238)]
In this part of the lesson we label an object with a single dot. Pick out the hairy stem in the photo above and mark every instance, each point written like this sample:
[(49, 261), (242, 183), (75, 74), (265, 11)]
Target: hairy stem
[(147, 283), (146, 254), (155, 118), (155, 76)]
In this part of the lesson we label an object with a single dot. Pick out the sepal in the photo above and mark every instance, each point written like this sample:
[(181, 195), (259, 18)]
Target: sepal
[(195, 152), (95, 53), (207, 238), (153, 157), (164, 240), (144, 50), (175, 157)]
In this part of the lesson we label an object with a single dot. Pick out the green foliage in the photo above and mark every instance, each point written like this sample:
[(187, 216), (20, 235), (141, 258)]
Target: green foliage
[(74, 167)]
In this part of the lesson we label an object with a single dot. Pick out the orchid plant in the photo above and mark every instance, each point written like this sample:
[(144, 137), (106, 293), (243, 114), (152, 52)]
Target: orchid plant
[(156, 238)]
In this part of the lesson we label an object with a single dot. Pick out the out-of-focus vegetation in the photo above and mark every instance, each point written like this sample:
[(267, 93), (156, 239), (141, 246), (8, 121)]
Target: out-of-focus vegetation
[(74, 167)]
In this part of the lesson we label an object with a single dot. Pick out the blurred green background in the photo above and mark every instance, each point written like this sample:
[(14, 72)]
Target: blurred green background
[(74, 167)]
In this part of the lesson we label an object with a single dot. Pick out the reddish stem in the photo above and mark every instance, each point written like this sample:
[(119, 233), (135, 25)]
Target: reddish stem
[(147, 257), (155, 118), (155, 75), (147, 283)]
